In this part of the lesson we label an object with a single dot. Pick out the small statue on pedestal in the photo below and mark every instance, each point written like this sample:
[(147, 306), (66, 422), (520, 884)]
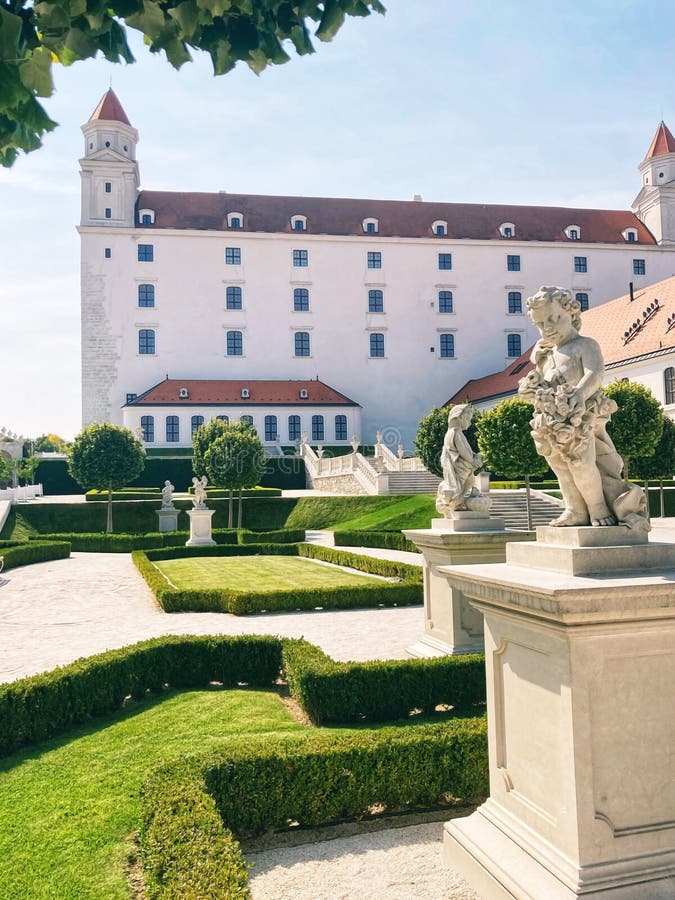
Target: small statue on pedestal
[(167, 495), (457, 492), (199, 486)]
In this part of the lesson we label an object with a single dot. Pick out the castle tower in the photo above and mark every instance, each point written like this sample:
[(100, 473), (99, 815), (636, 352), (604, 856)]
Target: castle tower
[(655, 204), (109, 171)]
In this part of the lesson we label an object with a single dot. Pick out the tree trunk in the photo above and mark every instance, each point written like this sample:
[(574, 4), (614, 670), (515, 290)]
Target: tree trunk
[(239, 518), (230, 510), (108, 524), (528, 503), (662, 497)]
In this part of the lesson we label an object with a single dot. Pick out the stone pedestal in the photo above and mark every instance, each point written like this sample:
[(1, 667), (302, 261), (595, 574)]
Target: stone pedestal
[(451, 625), (200, 527), (581, 730), (168, 518)]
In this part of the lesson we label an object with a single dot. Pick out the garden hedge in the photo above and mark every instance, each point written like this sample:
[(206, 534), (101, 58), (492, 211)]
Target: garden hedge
[(389, 540), (98, 542), (406, 592), (331, 692), (20, 553), (191, 807)]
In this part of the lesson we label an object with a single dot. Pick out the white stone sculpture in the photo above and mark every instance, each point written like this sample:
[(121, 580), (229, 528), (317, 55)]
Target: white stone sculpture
[(199, 498), (571, 413), (457, 492), (167, 495)]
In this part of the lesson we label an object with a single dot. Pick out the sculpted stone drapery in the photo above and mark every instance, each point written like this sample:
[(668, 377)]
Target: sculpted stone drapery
[(457, 490), (199, 498), (571, 413)]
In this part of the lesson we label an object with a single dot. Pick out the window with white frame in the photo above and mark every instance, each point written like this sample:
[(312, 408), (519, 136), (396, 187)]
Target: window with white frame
[(172, 430), (195, 422), (340, 428), (375, 301), (515, 302), (507, 230), (299, 223), (439, 228), (235, 343), (582, 298), (376, 344), (146, 341), (317, 428), (148, 429), (235, 220), (301, 343), (271, 431), (233, 297), (445, 302), (370, 226), (294, 428), (300, 300), (573, 233), (447, 345), (513, 345), (669, 385)]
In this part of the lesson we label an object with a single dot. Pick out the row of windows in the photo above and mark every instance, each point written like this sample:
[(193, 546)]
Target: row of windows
[(271, 427), (374, 259)]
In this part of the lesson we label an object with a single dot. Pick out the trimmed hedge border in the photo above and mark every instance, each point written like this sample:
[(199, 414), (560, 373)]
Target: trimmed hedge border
[(310, 781), (20, 553), (389, 540), (97, 542), (407, 592), (331, 692)]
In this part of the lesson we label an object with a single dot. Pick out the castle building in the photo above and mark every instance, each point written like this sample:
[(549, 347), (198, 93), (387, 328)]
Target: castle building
[(389, 305)]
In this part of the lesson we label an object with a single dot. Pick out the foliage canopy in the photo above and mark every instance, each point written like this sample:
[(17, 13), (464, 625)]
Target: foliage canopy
[(637, 424), (430, 434), (505, 440), (34, 35)]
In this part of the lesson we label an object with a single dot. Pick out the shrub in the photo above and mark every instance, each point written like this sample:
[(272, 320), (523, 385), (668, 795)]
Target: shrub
[(331, 692), (127, 543), (281, 536), (17, 553), (386, 567), (389, 540), (126, 494)]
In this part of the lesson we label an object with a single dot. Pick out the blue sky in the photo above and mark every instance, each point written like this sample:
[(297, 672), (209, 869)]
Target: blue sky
[(530, 102)]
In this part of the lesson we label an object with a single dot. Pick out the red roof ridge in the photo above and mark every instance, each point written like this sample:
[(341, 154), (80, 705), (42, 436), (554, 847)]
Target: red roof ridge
[(110, 109), (663, 142)]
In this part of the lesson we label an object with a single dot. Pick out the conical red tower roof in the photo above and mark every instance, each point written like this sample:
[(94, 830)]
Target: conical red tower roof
[(663, 142), (110, 109)]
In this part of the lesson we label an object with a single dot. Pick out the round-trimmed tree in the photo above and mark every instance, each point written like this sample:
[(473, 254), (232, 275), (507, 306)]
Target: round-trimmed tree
[(505, 440), (430, 434), (235, 460), (106, 457), (660, 465), (637, 424), (202, 439)]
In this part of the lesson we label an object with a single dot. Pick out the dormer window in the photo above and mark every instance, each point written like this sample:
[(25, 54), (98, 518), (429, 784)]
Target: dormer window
[(146, 216), (439, 228), (304, 393), (245, 394), (630, 235), (573, 233), (371, 226), (507, 230), (235, 220), (183, 393), (299, 223)]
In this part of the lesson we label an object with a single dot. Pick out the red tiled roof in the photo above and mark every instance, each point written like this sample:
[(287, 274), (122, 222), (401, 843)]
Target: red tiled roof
[(397, 218), (662, 142), (110, 109), (228, 393), (608, 324)]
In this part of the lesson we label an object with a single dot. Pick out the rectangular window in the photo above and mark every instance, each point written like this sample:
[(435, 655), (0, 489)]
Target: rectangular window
[(445, 260), (233, 256), (639, 267), (447, 346), (375, 301), (445, 302), (172, 430), (440, 230), (376, 345), (146, 252), (108, 212), (317, 428), (146, 219), (195, 422), (512, 263), (301, 300), (302, 343), (233, 297), (513, 346), (371, 228), (235, 222), (669, 385), (146, 341), (107, 253), (515, 302), (108, 187), (374, 259), (632, 237), (580, 264), (270, 428), (340, 428), (583, 300), (294, 428), (131, 397), (148, 428), (300, 259), (146, 295), (298, 225), (235, 343)]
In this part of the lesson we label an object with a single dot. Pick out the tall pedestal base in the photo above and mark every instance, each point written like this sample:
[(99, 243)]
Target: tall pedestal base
[(451, 625), (200, 527), (167, 519), (581, 725)]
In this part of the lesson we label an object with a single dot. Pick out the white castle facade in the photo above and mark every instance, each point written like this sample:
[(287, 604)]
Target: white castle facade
[(388, 307)]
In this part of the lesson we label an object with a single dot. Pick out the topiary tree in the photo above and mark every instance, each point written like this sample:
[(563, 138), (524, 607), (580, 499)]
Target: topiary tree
[(660, 465), (202, 439), (505, 440), (235, 460), (430, 433), (637, 424), (106, 457)]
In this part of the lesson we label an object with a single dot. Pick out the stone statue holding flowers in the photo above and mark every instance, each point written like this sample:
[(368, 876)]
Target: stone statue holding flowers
[(571, 413), (457, 492)]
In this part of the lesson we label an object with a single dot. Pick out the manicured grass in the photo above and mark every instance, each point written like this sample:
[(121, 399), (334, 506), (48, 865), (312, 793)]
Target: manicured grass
[(68, 807), (254, 573), (414, 511), (327, 512)]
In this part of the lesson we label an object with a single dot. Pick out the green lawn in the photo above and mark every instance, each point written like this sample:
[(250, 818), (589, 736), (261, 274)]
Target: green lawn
[(407, 512), (259, 573), (68, 807)]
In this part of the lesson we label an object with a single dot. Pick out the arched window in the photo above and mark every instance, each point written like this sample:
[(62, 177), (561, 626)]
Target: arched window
[(669, 385), (294, 430), (447, 346), (375, 301), (235, 220), (445, 304), (233, 297), (195, 422), (299, 223), (371, 226), (172, 429), (376, 344), (302, 343), (300, 300), (271, 428), (582, 297), (340, 428), (317, 428), (246, 420), (513, 345), (148, 428), (507, 229), (235, 343), (439, 228), (515, 302), (225, 419), (146, 341)]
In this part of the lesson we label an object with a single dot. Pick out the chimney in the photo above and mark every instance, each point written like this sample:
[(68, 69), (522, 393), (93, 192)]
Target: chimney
[(417, 198), (630, 290)]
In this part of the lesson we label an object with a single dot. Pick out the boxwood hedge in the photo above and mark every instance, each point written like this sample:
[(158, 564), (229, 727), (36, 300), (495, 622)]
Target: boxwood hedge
[(98, 542), (20, 553), (390, 540)]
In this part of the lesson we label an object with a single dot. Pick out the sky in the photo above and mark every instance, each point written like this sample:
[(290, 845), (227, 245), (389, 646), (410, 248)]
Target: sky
[(529, 102)]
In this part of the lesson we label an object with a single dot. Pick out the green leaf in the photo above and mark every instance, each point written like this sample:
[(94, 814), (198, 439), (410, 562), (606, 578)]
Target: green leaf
[(186, 16), (215, 7), (176, 52), (10, 30), (221, 57), (331, 21), (151, 21), (52, 18), (36, 72)]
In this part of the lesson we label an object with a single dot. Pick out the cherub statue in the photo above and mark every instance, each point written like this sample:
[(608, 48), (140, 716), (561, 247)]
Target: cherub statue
[(570, 418), (457, 491), (167, 495), (199, 498)]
